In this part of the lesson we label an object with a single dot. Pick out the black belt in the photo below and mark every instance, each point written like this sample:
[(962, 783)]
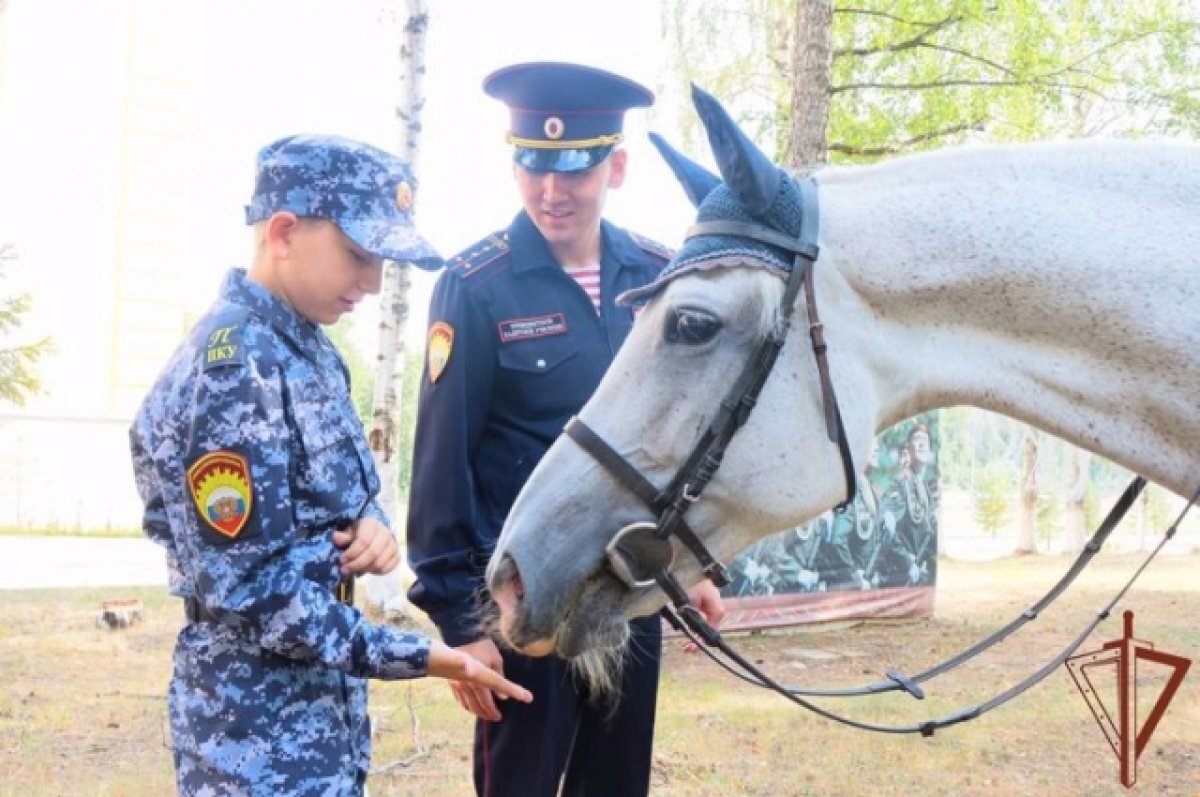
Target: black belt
[(196, 612)]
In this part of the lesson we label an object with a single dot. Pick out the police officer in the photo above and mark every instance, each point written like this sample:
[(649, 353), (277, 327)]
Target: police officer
[(256, 479), (523, 324)]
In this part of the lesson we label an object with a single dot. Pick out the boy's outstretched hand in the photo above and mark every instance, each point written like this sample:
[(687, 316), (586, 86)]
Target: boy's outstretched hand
[(455, 665)]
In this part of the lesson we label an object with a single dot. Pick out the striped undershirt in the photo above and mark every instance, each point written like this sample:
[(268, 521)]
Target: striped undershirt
[(588, 278)]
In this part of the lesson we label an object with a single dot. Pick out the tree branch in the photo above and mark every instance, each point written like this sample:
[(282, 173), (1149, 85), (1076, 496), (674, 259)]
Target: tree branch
[(971, 57), (939, 84), (901, 146), (1043, 80), (1103, 48), (907, 44), (1157, 98), (866, 12)]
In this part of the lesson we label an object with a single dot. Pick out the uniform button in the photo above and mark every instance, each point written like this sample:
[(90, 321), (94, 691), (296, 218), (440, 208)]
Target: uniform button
[(541, 363)]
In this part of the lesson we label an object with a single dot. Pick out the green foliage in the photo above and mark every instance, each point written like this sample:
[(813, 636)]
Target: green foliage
[(362, 376), (956, 456), (1092, 511), (995, 489), (738, 51), (18, 374), (1159, 514), (909, 75), (1050, 518), (413, 363)]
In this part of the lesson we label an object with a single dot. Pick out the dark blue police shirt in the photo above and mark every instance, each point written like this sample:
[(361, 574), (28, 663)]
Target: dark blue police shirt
[(528, 350)]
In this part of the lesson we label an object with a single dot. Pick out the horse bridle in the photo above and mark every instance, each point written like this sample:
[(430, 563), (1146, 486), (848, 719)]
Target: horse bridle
[(641, 554)]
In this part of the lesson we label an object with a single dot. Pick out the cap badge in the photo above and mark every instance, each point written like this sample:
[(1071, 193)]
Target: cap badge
[(441, 342), (553, 128), (404, 196)]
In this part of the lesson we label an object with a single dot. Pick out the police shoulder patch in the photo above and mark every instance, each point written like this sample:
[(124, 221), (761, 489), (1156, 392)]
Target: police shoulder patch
[(223, 346), (478, 256), (652, 246), (221, 488), (438, 348)]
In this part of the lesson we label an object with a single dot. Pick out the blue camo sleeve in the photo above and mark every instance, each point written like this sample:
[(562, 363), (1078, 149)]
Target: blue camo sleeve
[(155, 523), (374, 510)]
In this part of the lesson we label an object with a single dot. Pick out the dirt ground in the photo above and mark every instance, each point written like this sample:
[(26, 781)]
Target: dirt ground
[(82, 708)]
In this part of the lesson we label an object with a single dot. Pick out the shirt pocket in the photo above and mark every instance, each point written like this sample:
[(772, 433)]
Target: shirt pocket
[(333, 479), (539, 377)]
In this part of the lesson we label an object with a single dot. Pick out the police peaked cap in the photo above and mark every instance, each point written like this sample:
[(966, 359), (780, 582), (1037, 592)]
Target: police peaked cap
[(564, 117)]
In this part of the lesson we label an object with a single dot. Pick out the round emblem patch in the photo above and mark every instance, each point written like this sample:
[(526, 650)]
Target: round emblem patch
[(220, 486), (441, 343), (554, 128), (404, 196), (864, 524)]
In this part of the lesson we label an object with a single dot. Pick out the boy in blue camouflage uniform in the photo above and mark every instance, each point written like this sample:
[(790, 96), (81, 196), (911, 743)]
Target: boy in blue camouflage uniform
[(257, 480)]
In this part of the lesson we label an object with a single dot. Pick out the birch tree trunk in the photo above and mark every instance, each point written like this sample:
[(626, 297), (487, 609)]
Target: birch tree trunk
[(812, 62), (1076, 521), (385, 594), (1027, 525)]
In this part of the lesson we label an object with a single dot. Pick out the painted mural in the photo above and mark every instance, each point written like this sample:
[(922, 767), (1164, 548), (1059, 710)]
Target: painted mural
[(876, 558)]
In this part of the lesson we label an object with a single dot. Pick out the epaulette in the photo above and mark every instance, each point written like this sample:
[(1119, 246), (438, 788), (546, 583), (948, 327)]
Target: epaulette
[(223, 343), (479, 255), (652, 246)]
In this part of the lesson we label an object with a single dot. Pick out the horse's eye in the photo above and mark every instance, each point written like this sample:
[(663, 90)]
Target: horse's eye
[(691, 327)]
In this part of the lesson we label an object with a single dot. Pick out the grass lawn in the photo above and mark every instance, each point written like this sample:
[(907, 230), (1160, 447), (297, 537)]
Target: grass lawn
[(82, 710)]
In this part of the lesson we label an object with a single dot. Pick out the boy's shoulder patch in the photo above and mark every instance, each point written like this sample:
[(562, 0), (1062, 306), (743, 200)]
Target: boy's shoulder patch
[(222, 490), (224, 345)]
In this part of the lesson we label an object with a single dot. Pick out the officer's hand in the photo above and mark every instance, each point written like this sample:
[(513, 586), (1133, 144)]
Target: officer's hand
[(707, 599), (467, 672), (808, 578), (914, 574), (367, 546), (475, 696)]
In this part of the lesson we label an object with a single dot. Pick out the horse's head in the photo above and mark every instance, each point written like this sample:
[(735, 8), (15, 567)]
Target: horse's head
[(706, 317)]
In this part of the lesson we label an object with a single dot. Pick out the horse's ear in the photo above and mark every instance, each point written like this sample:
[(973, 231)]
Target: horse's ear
[(697, 181), (748, 172)]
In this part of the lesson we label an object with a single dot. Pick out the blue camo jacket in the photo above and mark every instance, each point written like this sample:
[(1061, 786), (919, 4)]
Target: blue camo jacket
[(248, 455), (515, 349)]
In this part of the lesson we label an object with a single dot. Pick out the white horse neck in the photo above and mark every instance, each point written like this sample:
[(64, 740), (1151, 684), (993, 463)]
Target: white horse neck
[(1055, 284)]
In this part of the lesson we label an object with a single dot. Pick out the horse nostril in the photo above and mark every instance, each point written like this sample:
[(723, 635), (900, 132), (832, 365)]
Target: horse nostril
[(507, 576)]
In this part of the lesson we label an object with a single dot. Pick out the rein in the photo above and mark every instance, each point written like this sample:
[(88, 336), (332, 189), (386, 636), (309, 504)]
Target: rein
[(641, 555), (688, 621)]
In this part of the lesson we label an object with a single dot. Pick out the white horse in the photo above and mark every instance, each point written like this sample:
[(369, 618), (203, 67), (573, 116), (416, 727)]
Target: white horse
[(1058, 284)]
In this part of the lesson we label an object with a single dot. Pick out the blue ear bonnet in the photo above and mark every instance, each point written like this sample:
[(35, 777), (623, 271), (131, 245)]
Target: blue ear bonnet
[(751, 180), (722, 204)]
